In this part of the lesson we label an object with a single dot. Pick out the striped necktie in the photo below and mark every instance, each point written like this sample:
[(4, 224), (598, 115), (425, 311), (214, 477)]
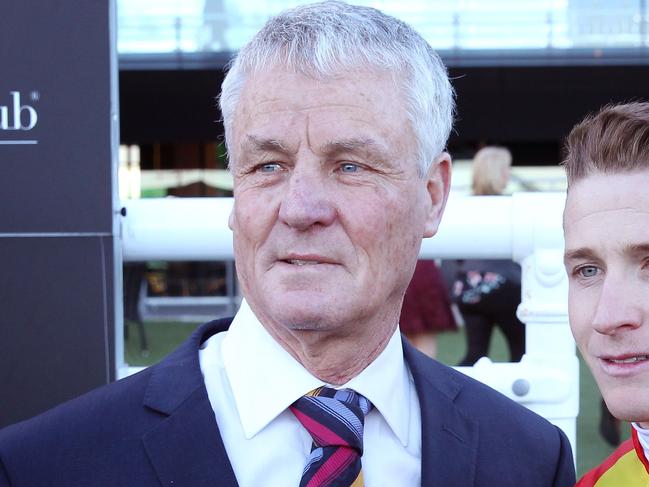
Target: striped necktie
[(334, 419)]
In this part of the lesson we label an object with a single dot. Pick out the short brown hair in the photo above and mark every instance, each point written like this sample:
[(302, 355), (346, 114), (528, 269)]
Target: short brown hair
[(613, 140)]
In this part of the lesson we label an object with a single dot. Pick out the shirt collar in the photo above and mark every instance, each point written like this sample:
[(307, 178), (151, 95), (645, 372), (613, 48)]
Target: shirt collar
[(262, 393), (643, 438)]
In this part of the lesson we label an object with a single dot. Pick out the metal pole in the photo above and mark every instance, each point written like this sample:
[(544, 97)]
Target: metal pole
[(643, 23), (178, 25)]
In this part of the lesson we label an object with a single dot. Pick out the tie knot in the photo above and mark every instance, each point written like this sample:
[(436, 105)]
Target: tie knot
[(333, 417)]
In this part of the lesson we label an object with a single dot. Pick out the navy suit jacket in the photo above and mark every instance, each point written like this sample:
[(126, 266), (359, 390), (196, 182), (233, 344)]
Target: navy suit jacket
[(157, 428)]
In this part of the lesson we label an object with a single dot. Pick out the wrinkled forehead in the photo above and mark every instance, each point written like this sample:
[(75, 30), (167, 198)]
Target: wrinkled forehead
[(272, 97)]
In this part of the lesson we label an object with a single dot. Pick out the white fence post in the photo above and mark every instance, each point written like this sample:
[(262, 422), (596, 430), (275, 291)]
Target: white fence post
[(538, 247)]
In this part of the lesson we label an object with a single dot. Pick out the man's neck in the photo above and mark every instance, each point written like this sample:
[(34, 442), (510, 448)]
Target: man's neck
[(332, 358)]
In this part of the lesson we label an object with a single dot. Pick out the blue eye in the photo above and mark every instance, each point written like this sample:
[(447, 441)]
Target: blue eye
[(349, 168), (270, 167), (588, 271)]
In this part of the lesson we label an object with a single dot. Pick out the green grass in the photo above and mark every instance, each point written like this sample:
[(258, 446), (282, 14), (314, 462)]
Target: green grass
[(163, 337)]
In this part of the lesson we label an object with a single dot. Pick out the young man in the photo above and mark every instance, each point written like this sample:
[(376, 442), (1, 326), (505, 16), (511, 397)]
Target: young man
[(606, 225)]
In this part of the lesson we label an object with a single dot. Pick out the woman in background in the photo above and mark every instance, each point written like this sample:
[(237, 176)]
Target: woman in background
[(426, 308), (488, 292)]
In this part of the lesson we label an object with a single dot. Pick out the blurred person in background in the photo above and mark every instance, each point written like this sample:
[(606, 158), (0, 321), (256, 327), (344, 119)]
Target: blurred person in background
[(426, 308), (488, 292)]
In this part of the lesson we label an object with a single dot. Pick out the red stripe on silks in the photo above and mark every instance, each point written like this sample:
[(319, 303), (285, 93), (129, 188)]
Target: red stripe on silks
[(331, 469), (639, 449), (622, 450), (320, 432), (591, 477)]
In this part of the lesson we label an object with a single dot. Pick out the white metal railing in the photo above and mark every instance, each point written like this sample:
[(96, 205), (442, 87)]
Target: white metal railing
[(525, 227), (223, 26)]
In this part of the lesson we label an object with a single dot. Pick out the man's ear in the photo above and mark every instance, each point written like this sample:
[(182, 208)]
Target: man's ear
[(438, 185)]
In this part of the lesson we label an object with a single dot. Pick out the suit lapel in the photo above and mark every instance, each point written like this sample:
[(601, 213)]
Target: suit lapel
[(185, 448), (449, 437)]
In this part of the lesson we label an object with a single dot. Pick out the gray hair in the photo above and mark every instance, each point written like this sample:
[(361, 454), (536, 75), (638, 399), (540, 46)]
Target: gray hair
[(323, 39)]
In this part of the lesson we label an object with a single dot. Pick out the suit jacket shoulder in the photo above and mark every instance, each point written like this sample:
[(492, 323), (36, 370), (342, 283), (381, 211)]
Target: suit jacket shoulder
[(120, 434), (158, 428), (473, 435)]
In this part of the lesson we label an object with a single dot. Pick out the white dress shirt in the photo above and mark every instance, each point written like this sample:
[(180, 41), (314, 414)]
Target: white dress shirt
[(251, 381)]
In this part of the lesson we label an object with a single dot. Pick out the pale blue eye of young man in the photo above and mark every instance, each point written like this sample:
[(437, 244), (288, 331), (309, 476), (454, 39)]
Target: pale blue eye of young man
[(587, 271)]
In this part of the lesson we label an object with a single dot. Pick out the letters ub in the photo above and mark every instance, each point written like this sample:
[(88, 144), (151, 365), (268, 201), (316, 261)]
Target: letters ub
[(16, 110)]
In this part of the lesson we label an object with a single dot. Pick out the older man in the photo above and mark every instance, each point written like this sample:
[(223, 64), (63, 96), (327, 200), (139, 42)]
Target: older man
[(336, 119), (606, 223)]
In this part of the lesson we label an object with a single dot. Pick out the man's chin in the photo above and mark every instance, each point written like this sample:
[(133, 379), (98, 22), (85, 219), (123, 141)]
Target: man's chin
[(624, 406), (303, 318)]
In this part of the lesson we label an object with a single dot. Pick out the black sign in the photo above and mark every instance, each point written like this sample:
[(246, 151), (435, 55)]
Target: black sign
[(55, 175), (56, 203)]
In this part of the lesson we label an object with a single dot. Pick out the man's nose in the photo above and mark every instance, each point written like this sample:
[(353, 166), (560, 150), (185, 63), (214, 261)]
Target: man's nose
[(307, 201), (618, 307)]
